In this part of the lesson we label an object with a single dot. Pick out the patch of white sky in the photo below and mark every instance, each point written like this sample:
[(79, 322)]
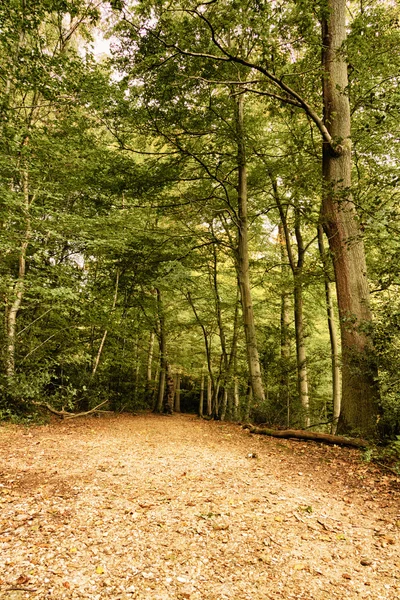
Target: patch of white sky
[(102, 41)]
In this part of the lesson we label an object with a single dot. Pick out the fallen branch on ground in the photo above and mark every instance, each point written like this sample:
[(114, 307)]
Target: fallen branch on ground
[(312, 436), (64, 414), (20, 589)]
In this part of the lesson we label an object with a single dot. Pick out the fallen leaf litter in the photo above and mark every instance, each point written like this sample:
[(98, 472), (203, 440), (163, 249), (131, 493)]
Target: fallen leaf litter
[(155, 509)]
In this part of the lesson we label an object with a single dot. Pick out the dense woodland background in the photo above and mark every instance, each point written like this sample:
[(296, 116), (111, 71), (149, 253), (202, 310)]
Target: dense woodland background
[(181, 208)]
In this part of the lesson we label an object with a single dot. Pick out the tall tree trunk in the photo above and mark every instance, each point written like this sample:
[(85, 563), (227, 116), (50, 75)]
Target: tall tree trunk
[(247, 406), (103, 339), (224, 404), (136, 369), (154, 394), (284, 391), (215, 401), (243, 261), (19, 286), (224, 366), (150, 358), (235, 411), (201, 399), (168, 404), (211, 379), (163, 353), (149, 366), (209, 396), (301, 349), (359, 375), (297, 270), (336, 398), (177, 401)]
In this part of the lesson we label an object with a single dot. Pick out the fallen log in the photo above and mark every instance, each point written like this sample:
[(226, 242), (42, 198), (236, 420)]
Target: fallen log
[(312, 436)]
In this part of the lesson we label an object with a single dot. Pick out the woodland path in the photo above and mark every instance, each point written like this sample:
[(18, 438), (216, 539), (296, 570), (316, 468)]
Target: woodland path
[(154, 507)]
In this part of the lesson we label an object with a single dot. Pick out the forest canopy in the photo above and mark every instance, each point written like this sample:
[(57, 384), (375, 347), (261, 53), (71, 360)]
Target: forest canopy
[(200, 210)]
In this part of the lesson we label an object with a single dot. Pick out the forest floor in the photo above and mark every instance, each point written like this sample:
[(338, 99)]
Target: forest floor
[(155, 507)]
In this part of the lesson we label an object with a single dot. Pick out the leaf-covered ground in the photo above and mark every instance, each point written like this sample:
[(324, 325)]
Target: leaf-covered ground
[(155, 507)]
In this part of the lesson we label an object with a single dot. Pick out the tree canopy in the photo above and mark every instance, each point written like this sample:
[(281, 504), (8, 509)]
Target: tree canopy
[(209, 205)]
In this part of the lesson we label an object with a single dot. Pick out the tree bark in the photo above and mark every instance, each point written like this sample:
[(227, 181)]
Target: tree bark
[(136, 369), (223, 379), (163, 356), (201, 399), (284, 387), (309, 435), (236, 398), (177, 400), (19, 286), (247, 406), (336, 398), (103, 339), (168, 404), (209, 396), (359, 372), (206, 342), (243, 261), (150, 357), (297, 270), (224, 404)]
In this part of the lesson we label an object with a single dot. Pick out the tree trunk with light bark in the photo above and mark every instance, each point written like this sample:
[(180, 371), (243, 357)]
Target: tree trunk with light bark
[(201, 399), (19, 285), (163, 353), (336, 397), (359, 371), (243, 261), (177, 400)]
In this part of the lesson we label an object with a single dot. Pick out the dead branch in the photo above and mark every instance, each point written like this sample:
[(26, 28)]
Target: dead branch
[(312, 436), (20, 589), (64, 414)]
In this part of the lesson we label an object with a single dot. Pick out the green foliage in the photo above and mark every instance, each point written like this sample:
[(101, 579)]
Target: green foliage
[(127, 171)]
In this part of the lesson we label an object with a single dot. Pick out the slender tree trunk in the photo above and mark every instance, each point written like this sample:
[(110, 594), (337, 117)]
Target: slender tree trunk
[(243, 262), (161, 388), (235, 399), (137, 368), (224, 404), (103, 339), (224, 367), (336, 398), (297, 270), (163, 356), (301, 350), (284, 391), (154, 394), (19, 286), (215, 401), (209, 396), (249, 401), (201, 400), (150, 357), (207, 349), (359, 375), (177, 402), (168, 405), (218, 309), (149, 366)]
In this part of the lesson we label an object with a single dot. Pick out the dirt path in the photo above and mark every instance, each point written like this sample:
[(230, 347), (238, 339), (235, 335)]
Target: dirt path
[(154, 507)]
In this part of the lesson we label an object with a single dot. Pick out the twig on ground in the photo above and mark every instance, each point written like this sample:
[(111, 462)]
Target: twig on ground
[(20, 589)]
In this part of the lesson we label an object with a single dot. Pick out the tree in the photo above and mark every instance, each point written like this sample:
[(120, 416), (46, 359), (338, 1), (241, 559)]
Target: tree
[(360, 392), (359, 407)]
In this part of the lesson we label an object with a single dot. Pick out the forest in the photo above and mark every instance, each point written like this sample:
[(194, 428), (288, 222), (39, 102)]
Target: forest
[(200, 211)]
